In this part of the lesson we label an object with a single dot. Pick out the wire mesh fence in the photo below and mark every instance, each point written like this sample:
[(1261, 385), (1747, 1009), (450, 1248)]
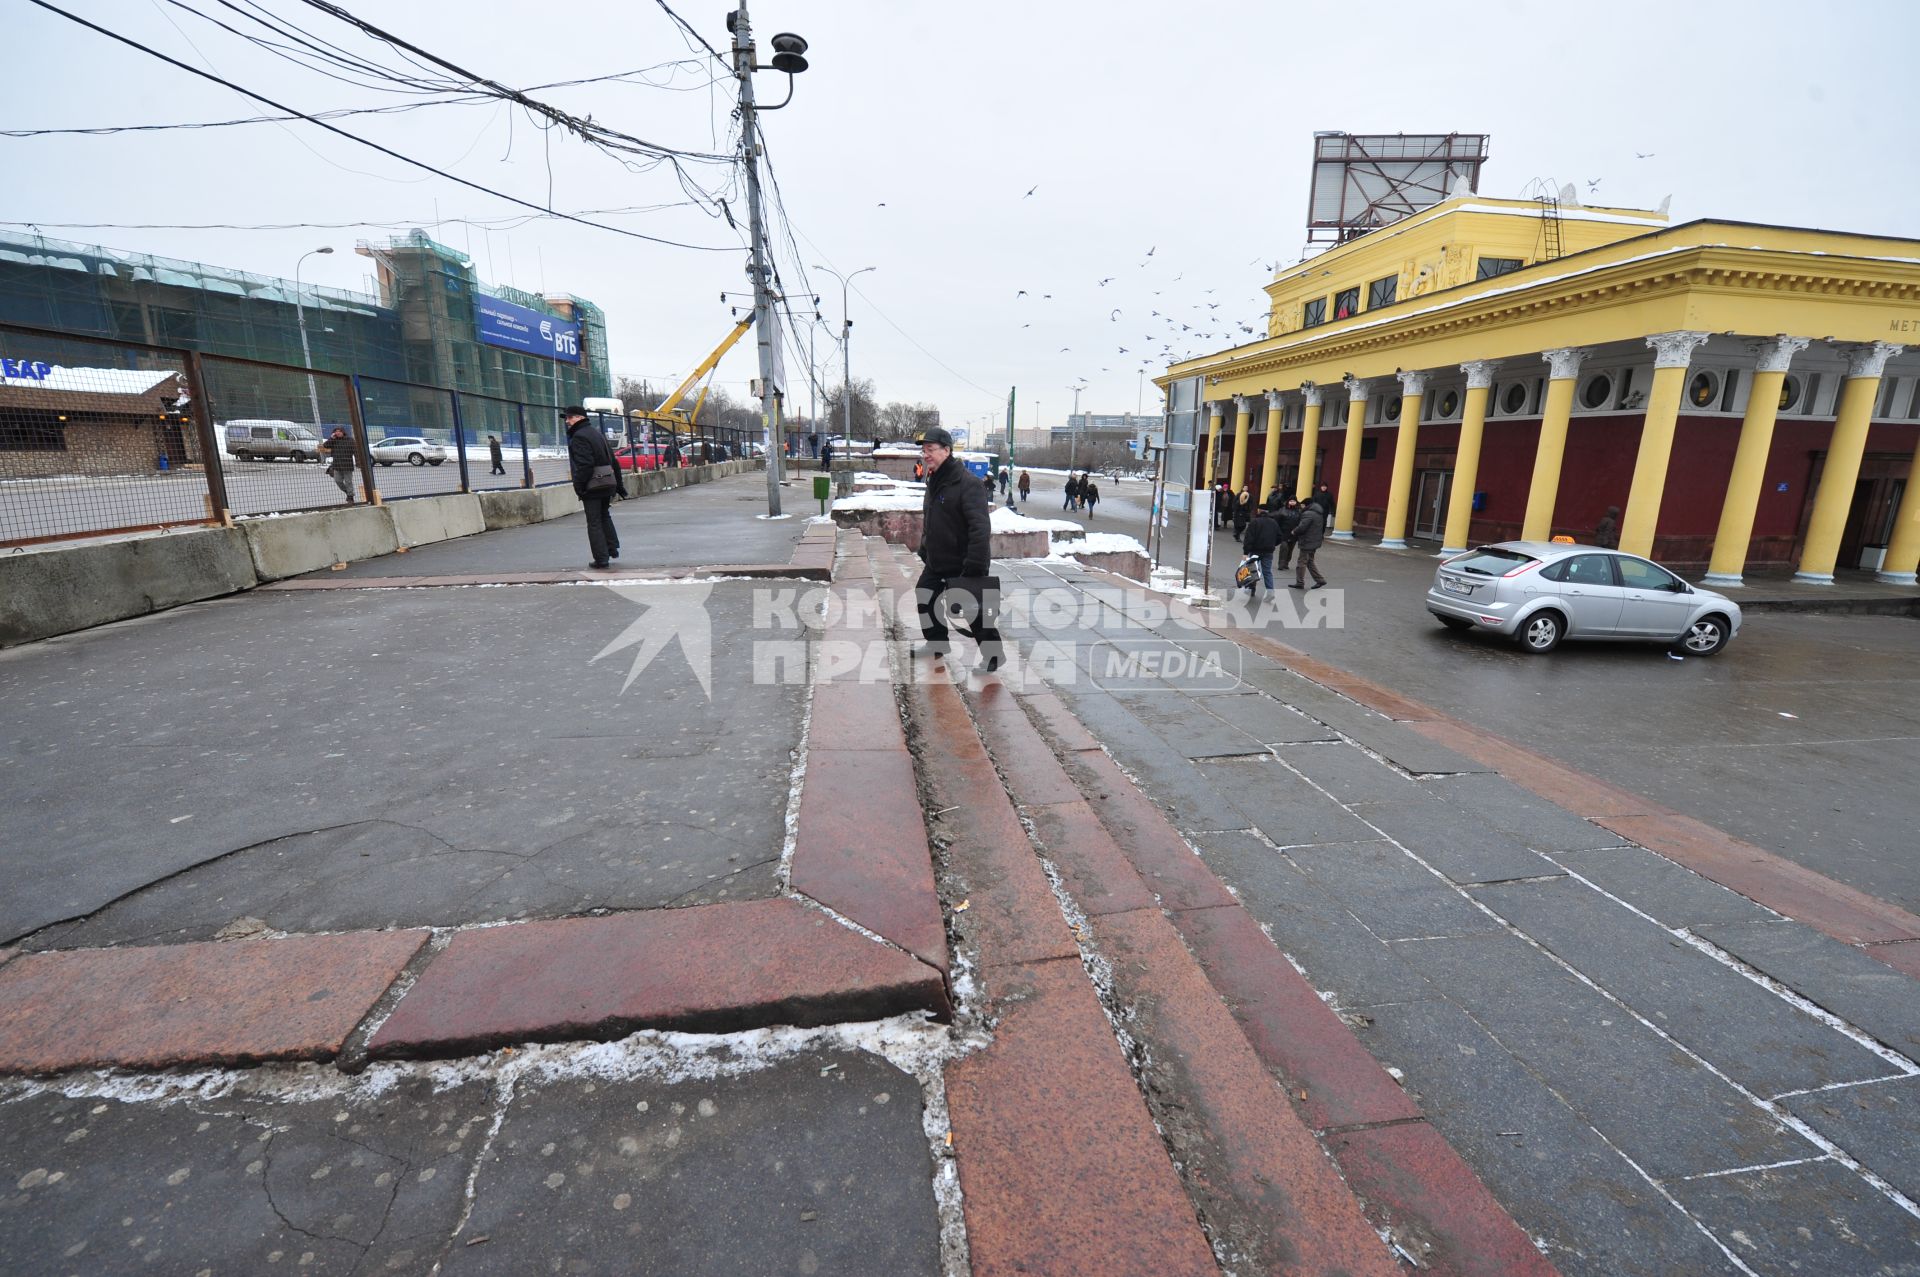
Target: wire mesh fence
[(100, 436), (413, 437), (95, 437), (288, 439)]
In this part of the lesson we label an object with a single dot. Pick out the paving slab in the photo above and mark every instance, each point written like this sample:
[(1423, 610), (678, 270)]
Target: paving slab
[(1412, 750), (157, 1006), (854, 716), (816, 1164), (238, 1184), (711, 968), (1281, 805), (1265, 719), (1749, 1033), (1187, 729), (1670, 893), (1816, 1217), (1457, 843), (1532, 820), (1597, 1216), (1033, 775), (1394, 897), (1839, 977), (1877, 1124), (1164, 859), (1094, 868), (1617, 1073), (1317, 702), (1187, 788), (1272, 1198), (860, 847), (1340, 955), (1348, 774), (1901, 955), (1050, 1104)]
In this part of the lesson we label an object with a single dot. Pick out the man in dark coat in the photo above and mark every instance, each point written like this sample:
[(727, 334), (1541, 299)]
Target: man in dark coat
[(1073, 491), (1323, 497), (1307, 535), (340, 461), (1608, 533), (493, 451), (826, 455), (587, 451), (1089, 494), (1287, 520), (1261, 539), (956, 540)]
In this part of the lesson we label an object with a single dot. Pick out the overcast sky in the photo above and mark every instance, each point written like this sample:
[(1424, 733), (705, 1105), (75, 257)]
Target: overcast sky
[(966, 151)]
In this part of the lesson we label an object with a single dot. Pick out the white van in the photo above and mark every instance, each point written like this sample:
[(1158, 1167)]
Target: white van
[(264, 440)]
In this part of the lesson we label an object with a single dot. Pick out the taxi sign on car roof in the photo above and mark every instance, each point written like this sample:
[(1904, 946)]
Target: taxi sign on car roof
[(1563, 541)]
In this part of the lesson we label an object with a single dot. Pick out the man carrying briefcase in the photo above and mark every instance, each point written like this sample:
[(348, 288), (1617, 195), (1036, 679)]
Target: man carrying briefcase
[(956, 545)]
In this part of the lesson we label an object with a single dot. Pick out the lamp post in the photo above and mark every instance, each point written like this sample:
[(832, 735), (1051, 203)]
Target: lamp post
[(1073, 431), (300, 316), (846, 363)]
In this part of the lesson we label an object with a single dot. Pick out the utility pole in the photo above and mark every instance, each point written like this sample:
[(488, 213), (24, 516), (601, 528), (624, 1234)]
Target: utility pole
[(1073, 430), (763, 317), (845, 475)]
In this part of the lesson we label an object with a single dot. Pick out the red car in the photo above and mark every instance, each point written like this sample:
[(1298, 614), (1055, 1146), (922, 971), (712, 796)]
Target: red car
[(640, 456)]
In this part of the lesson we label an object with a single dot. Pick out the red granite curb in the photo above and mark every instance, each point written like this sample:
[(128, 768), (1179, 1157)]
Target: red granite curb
[(708, 969), (212, 1003)]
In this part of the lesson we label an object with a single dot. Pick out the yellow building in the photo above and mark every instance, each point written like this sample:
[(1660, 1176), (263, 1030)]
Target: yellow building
[(1490, 369)]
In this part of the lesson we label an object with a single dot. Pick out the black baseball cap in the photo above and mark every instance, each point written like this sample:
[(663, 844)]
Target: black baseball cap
[(936, 434)]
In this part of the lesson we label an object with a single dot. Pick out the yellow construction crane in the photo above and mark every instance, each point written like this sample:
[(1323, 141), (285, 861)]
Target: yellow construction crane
[(669, 413)]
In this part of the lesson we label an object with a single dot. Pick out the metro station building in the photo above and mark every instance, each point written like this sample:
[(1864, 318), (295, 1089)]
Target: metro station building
[(1491, 369)]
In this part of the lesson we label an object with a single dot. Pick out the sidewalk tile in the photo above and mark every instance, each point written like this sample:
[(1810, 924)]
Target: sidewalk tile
[(1838, 977), (1059, 1163), (710, 968), (1033, 775), (1815, 1217), (1187, 729), (1348, 774), (1617, 1073), (1457, 843), (160, 1006), (1534, 821), (1394, 897), (1265, 719), (1419, 1187), (1560, 1180), (861, 847), (1670, 893), (1281, 805), (1059, 724), (1190, 797), (854, 716), (1256, 1170), (1751, 1035), (1901, 955)]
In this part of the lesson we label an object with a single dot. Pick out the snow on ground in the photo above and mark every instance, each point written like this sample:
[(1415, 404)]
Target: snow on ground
[(1005, 520), (1100, 543)]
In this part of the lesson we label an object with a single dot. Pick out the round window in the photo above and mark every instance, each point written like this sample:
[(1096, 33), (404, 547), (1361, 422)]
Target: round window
[(1596, 392), (1393, 409), (1449, 403), (1703, 389), (1789, 393), (1513, 398)]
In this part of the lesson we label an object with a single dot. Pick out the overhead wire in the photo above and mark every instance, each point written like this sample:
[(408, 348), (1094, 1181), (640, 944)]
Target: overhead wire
[(353, 137)]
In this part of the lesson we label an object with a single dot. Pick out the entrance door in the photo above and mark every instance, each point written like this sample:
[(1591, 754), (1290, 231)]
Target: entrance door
[(1430, 505)]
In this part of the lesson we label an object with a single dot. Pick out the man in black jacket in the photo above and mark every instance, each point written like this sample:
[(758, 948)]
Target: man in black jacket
[(587, 451), (956, 540), (1307, 535), (1260, 539), (1287, 519)]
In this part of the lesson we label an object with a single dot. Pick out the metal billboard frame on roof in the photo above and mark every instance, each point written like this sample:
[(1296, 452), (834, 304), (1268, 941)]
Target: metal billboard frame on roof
[(1363, 181)]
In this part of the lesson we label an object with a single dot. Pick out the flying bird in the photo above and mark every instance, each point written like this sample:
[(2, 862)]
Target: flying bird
[(1046, 297), (1150, 250), (1065, 349), (1114, 318), (1031, 190), (1021, 293), (1643, 155), (1106, 281)]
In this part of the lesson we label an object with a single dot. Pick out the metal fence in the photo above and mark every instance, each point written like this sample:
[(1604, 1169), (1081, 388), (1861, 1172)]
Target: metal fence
[(100, 437)]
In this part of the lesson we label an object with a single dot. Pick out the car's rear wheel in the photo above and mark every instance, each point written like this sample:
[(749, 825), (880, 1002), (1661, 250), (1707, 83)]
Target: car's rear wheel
[(415, 459), (1704, 637), (436, 462), (386, 463), (1456, 623), (243, 456), (1542, 632)]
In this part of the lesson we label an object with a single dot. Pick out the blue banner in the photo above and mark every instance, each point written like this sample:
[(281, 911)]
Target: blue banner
[(501, 323)]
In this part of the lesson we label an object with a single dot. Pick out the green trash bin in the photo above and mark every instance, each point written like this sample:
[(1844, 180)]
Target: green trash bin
[(822, 489)]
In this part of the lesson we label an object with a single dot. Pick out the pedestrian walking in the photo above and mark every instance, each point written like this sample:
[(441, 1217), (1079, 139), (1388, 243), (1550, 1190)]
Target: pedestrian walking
[(596, 480), (1089, 495), (1026, 485), (813, 444), (826, 455), (956, 547), (1006, 482), (1307, 536), (493, 451), (340, 461), (1242, 513), (1222, 503), (1287, 520), (1607, 535), (1323, 498), (1261, 539), (987, 479), (919, 472), (1073, 492)]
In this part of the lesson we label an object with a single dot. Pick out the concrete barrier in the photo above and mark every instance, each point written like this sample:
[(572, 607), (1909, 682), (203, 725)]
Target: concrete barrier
[(510, 508), (902, 527), (424, 520), (51, 592), (1128, 563), (297, 543)]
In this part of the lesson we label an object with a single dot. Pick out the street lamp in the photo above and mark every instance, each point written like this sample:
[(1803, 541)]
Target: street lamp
[(846, 363), (1072, 430), (300, 315)]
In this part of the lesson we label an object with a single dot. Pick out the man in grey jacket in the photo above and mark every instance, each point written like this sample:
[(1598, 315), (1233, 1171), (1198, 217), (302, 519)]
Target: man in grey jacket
[(1307, 535)]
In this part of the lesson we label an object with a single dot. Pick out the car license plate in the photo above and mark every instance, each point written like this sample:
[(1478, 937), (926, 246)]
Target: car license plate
[(1455, 587)]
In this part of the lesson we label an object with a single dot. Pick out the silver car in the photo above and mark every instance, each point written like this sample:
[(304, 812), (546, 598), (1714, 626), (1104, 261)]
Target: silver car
[(412, 449), (1540, 592)]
